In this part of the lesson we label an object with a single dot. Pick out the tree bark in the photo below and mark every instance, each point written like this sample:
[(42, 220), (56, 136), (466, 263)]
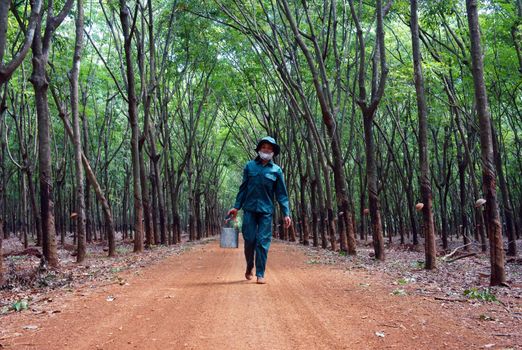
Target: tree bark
[(317, 189), (1, 252), (2, 203), (313, 202), (368, 111), (77, 137), (346, 235), (506, 202), (425, 181), (135, 131), (41, 47), (107, 212), (32, 199), (44, 159), (145, 195), (91, 178), (87, 192), (6, 70), (516, 34), (26, 167), (373, 196), (494, 227), (302, 217), (467, 164), (152, 134)]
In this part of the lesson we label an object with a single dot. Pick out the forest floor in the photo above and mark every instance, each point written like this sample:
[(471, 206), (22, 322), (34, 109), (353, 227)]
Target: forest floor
[(194, 296)]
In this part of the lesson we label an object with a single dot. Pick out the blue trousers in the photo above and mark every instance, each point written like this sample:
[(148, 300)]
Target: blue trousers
[(257, 233)]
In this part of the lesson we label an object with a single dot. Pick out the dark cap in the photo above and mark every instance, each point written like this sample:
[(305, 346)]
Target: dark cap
[(270, 140)]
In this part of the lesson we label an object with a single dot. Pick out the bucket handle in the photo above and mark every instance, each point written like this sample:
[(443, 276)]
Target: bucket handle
[(228, 218)]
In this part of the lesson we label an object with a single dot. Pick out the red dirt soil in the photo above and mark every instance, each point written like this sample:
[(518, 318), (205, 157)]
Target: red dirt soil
[(200, 300)]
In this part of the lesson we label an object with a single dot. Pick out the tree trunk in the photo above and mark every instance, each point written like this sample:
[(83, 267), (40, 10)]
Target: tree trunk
[(362, 203), (60, 221), (316, 194), (32, 199), (174, 193), (190, 204), (135, 131), (480, 226), (197, 213), (2, 201), (373, 196), (411, 211), (304, 215), (314, 206), (5, 5), (41, 47), (24, 212), (444, 219), (6, 70), (152, 134), (160, 193), (125, 207), (77, 137), (145, 195), (516, 34), (368, 112), (107, 212), (87, 192), (508, 209), (91, 178), (1, 252), (303, 185), (154, 200), (322, 92), (492, 217), (425, 183), (41, 84)]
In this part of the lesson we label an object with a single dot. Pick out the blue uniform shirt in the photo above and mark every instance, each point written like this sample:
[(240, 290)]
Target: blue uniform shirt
[(260, 184)]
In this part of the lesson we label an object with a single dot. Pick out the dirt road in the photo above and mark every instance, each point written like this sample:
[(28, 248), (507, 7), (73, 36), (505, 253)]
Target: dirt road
[(200, 300)]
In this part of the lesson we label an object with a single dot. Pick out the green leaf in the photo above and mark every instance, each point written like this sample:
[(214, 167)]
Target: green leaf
[(400, 292), (313, 261), (402, 282), (482, 294), (20, 305)]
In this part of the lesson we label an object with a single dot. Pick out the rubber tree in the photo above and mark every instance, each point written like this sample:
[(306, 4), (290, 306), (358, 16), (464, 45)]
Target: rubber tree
[(41, 47), (425, 180), (491, 211), (125, 18), (368, 108), (323, 92), (8, 68), (77, 136)]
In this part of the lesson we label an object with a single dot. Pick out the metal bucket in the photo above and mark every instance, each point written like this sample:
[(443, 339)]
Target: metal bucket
[(229, 238)]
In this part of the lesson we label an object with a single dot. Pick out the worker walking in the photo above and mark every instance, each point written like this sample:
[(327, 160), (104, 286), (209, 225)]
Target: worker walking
[(262, 181)]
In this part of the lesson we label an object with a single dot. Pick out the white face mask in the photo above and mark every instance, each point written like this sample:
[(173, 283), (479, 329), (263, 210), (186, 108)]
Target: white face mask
[(265, 156)]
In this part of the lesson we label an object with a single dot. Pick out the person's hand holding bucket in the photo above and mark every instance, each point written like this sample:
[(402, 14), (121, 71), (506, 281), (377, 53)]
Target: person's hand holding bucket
[(232, 213)]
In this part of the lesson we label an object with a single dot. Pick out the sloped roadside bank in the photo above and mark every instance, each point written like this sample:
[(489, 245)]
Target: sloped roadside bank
[(460, 286), (27, 284)]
